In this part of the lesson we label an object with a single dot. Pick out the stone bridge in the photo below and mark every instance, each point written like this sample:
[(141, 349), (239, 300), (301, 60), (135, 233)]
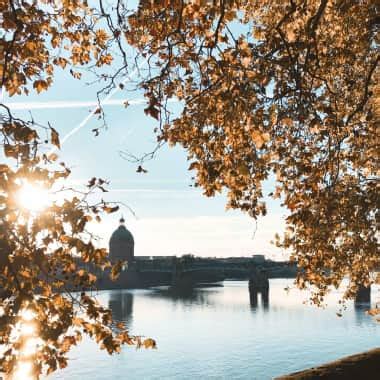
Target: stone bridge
[(185, 273)]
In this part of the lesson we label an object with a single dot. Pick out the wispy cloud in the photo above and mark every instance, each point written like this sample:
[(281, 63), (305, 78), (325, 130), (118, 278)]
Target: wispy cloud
[(147, 190), (202, 235), (151, 194), (135, 184), (70, 104)]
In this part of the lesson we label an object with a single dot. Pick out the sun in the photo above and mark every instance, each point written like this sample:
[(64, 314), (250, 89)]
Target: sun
[(23, 371), (33, 197)]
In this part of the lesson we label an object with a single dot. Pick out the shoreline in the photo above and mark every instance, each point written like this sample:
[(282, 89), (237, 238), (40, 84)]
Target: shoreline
[(365, 365)]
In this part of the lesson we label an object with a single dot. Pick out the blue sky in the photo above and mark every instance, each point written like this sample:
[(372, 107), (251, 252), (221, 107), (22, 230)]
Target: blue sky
[(172, 217)]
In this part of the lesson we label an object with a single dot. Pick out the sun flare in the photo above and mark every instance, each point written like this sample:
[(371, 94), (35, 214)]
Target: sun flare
[(23, 371), (28, 315), (33, 197)]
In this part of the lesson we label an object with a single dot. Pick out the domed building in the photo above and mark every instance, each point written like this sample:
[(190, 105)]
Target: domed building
[(122, 244)]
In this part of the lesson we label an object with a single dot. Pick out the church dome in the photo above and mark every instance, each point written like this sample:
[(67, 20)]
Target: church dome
[(121, 234), (121, 244)]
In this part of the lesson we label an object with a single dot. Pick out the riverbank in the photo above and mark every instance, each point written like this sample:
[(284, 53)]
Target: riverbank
[(365, 365)]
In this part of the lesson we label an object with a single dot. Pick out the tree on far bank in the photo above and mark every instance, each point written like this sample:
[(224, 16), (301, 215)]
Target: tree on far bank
[(288, 89)]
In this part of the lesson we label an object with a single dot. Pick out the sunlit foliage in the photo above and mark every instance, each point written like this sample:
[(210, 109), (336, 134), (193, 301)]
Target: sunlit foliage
[(46, 250), (288, 89)]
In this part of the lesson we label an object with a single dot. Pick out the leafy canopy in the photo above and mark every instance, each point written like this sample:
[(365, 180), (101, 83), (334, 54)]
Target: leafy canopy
[(283, 89), (45, 304)]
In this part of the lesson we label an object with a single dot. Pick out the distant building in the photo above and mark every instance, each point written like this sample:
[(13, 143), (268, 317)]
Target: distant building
[(145, 258), (233, 260), (122, 244), (258, 259)]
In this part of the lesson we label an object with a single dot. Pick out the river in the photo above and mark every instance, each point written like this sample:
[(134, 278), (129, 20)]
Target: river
[(214, 333)]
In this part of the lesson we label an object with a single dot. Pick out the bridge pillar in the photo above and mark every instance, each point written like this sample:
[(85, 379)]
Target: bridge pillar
[(258, 283), (176, 271)]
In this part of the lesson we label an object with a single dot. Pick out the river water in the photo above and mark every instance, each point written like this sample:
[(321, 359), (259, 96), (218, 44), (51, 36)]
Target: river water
[(214, 333)]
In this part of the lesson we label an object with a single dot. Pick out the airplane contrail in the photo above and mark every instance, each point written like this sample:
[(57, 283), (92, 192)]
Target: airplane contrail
[(70, 104), (95, 109), (107, 101)]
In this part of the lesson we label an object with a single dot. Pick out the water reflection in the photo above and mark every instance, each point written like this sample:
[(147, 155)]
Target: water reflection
[(121, 304), (259, 300), (227, 335), (27, 331), (196, 296), (360, 312)]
